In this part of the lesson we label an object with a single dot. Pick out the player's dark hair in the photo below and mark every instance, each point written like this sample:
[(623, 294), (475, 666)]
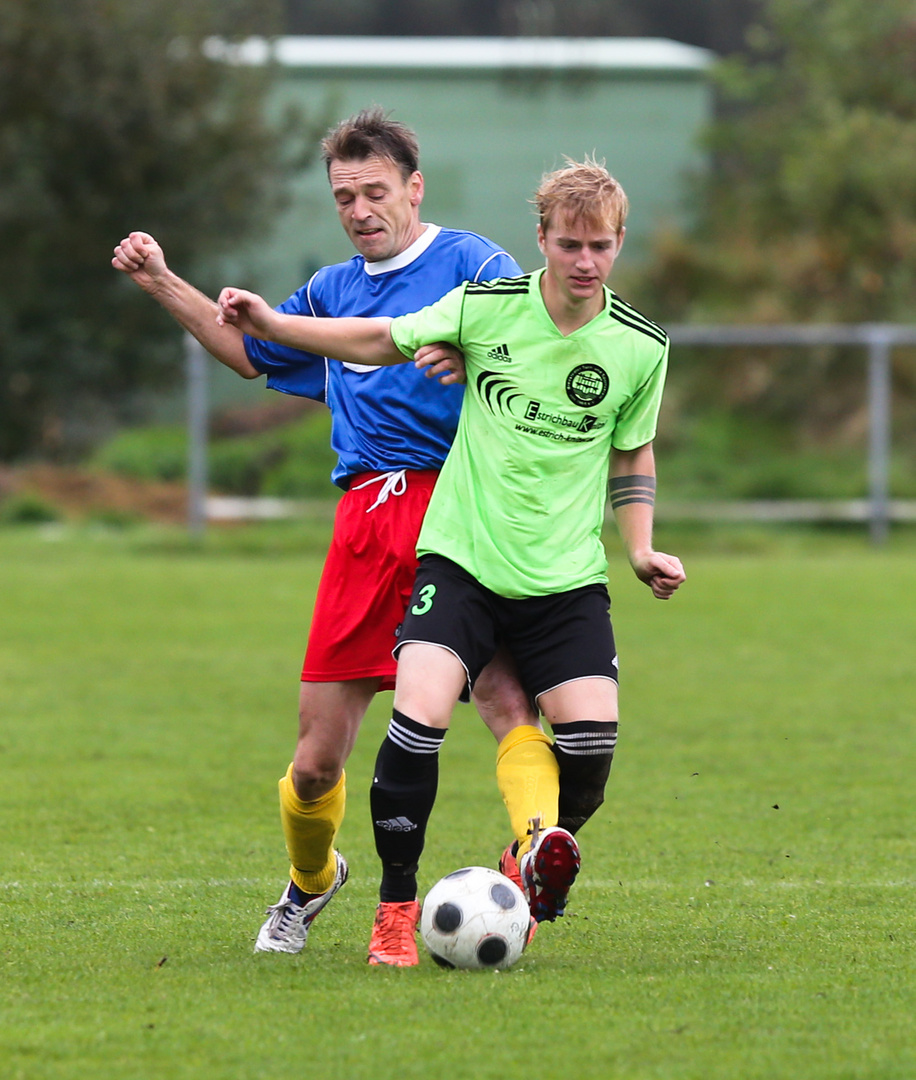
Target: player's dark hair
[(371, 134)]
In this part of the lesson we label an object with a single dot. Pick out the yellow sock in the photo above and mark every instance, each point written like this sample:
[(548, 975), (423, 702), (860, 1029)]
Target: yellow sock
[(310, 829), (529, 780)]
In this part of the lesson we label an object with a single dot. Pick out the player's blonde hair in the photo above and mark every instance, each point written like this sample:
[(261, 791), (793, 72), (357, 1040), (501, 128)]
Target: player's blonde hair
[(583, 191)]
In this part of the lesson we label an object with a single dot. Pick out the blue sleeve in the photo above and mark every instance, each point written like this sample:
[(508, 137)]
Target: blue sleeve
[(291, 371)]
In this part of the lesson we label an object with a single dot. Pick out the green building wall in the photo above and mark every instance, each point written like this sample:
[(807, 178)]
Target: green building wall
[(492, 115)]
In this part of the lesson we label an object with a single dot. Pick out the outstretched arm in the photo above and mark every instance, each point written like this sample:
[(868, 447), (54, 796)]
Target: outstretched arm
[(141, 258), (353, 340), (632, 491)]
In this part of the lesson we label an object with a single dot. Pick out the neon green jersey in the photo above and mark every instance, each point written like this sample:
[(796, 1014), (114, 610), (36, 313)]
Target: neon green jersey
[(520, 500)]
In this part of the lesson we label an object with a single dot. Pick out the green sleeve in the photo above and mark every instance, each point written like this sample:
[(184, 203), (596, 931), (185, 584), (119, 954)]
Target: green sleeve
[(638, 419), (438, 322)]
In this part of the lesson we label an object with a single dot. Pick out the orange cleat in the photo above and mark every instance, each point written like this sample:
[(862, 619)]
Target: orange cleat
[(393, 939)]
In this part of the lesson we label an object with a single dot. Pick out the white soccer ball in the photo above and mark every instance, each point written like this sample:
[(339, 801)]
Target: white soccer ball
[(475, 918)]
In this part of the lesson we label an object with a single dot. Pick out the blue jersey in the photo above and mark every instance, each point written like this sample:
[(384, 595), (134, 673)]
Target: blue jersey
[(382, 418)]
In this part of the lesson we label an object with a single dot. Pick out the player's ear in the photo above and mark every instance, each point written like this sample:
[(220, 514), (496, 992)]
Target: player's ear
[(620, 235), (416, 187), (542, 240)]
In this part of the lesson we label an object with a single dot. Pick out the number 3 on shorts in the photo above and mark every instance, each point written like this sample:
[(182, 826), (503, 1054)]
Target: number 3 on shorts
[(426, 600)]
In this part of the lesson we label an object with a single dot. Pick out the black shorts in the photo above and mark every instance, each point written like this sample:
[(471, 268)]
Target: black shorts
[(553, 639)]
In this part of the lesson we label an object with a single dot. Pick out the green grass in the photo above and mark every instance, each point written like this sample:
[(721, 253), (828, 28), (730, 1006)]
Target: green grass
[(747, 903)]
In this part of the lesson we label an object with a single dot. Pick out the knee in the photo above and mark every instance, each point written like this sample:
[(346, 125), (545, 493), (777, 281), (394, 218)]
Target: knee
[(314, 774)]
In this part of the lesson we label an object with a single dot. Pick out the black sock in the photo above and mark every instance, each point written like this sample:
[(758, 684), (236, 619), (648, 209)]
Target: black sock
[(402, 797), (584, 751)]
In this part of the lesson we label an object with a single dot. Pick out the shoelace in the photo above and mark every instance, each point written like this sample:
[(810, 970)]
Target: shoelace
[(396, 926), (395, 483), (283, 915)]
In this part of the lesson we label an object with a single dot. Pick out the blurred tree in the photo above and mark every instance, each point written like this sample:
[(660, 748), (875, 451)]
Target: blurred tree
[(810, 212), (111, 119), (714, 24)]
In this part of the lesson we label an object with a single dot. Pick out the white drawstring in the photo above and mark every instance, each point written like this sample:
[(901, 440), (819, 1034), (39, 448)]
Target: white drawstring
[(395, 484)]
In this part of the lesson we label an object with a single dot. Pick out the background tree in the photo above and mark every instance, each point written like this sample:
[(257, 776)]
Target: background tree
[(112, 118), (808, 213), (810, 209)]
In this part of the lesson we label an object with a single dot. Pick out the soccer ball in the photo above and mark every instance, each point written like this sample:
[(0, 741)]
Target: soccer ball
[(475, 918)]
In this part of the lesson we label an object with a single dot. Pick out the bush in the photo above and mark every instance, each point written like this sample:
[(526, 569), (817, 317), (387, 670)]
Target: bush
[(292, 461), (720, 455), (27, 508), (304, 472), (149, 453)]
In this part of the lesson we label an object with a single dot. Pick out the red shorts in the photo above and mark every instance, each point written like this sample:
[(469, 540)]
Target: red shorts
[(367, 580)]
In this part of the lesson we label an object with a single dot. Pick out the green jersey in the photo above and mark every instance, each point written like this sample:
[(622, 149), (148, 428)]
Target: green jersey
[(520, 500)]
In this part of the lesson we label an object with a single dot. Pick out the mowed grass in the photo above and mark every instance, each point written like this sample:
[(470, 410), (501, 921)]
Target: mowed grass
[(746, 907)]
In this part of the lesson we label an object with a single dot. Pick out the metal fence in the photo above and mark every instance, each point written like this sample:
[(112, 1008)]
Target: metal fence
[(877, 509), (878, 340), (196, 370)]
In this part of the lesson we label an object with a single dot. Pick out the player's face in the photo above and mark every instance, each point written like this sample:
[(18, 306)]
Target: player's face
[(378, 208), (580, 256)]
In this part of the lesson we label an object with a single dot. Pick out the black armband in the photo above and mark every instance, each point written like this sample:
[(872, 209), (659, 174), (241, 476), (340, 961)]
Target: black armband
[(632, 489)]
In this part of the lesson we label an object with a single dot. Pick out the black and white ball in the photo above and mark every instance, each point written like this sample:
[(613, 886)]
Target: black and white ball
[(475, 918)]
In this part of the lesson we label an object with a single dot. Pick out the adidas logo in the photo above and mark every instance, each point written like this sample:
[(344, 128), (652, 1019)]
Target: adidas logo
[(501, 352), (398, 824)]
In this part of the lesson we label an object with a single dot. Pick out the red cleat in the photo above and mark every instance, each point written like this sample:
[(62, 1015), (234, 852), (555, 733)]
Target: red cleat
[(548, 872)]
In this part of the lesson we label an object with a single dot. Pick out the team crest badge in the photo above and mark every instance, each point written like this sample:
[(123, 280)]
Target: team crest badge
[(586, 385)]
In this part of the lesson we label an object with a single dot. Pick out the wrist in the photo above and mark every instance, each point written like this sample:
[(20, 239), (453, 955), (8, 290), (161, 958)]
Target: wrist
[(640, 554), (163, 284)]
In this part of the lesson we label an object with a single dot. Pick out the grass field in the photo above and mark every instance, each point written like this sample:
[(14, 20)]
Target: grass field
[(747, 904)]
